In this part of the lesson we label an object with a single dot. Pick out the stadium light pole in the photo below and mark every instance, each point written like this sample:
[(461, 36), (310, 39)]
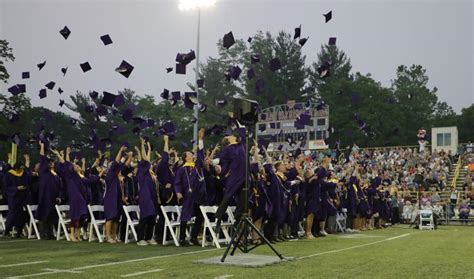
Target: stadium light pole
[(187, 5)]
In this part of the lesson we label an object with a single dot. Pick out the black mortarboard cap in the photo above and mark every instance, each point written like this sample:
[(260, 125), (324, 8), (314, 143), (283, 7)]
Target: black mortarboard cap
[(106, 39), (65, 32), (176, 96), (25, 75), (272, 125), (119, 100), (180, 68), (60, 91), (275, 64), (108, 99), (86, 67), (73, 121), (263, 143), (305, 118), (202, 107), (332, 41), (235, 72), (200, 83), (150, 123), (61, 102), (50, 85), (127, 115), (64, 70), (165, 94), (299, 124), (42, 93), (125, 69), (169, 70), (324, 70), (328, 16), (249, 39), (168, 128), (297, 32), (303, 41), (14, 90), (94, 94), (41, 65), (101, 110), (250, 73), (228, 40), (16, 139), (255, 58)]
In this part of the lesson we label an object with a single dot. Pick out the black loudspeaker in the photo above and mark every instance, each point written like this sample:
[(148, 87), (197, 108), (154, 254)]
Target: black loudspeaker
[(246, 111)]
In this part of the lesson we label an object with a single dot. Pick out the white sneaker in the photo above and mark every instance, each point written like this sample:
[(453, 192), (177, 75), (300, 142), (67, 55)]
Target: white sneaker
[(323, 233), (152, 242), (142, 243)]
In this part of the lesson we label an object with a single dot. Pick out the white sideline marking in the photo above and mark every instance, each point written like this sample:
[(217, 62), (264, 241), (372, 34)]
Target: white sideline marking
[(13, 241), (353, 247), (111, 263), (141, 273), (224, 276), (61, 270), (20, 264), (359, 236)]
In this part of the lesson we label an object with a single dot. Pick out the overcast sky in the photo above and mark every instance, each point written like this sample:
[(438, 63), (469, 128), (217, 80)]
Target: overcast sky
[(377, 35)]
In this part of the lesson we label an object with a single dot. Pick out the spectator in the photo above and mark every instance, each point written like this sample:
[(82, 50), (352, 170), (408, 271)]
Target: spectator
[(464, 211)]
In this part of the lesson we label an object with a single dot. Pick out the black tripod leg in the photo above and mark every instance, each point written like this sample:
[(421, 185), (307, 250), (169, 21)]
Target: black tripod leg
[(264, 239), (237, 242), (232, 242)]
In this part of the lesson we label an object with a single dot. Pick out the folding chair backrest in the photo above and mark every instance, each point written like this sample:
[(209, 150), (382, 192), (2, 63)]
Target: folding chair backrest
[(231, 213), (171, 213), (132, 209), (3, 208), (32, 224)]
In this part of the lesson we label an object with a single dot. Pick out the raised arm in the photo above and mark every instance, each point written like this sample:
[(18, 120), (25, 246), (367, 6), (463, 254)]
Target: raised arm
[(60, 158), (148, 153), (139, 154), (119, 153), (68, 151), (166, 144), (41, 144)]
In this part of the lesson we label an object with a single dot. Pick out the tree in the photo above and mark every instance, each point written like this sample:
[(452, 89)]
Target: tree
[(6, 54), (20, 106), (465, 124)]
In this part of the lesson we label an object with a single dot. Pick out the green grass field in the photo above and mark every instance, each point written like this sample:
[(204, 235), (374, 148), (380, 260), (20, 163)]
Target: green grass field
[(391, 253)]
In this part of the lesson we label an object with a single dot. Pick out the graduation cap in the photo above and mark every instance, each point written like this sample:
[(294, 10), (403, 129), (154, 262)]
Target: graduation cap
[(168, 128), (119, 100), (60, 91), (328, 16), (321, 105), (86, 67), (262, 127), (297, 32), (61, 102), (175, 97), (106, 39), (42, 93), (41, 65), (94, 94), (136, 131), (304, 118), (275, 64), (263, 116), (101, 110), (324, 70), (221, 103), (125, 69), (50, 85), (165, 94), (108, 99), (259, 85), (185, 58), (255, 58), (118, 130), (64, 70), (249, 39), (193, 119), (200, 83), (16, 139), (25, 75), (410, 96), (235, 72), (303, 41), (73, 121), (180, 68), (150, 123), (190, 100), (169, 70), (263, 143), (332, 41), (202, 108), (228, 40), (15, 90), (65, 32)]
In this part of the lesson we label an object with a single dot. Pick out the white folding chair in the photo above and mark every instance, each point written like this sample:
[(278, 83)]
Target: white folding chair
[(426, 219), (210, 226), (32, 225), (63, 212), (96, 223), (231, 213), (171, 215), (3, 208), (341, 218), (131, 223)]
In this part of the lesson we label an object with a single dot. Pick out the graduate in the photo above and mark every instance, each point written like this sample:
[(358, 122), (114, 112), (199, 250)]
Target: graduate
[(16, 182), (148, 196), (76, 185), (190, 188), (113, 195), (50, 193)]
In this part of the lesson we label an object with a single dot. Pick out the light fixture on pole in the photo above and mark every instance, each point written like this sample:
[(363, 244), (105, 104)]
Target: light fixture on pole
[(186, 5)]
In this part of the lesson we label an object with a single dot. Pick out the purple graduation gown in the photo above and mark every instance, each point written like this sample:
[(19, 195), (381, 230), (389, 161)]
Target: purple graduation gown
[(112, 195), (76, 191), (261, 200), (165, 176), (49, 189), (148, 197), (232, 159)]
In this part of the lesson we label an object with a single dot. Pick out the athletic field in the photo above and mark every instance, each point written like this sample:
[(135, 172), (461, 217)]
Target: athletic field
[(397, 252)]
